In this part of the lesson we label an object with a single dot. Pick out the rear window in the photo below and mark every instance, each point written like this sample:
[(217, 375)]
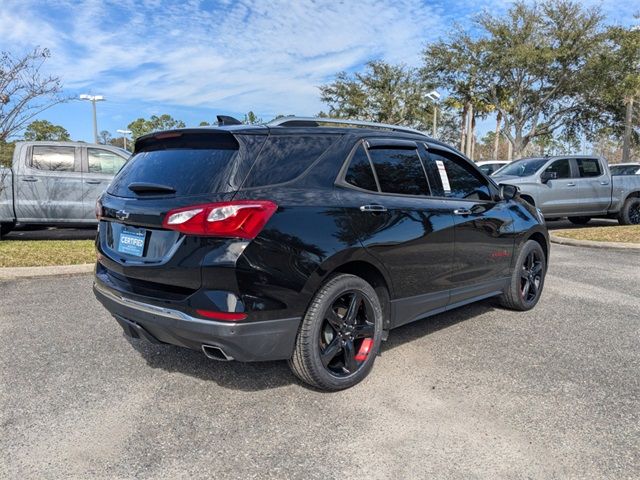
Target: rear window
[(285, 157), (188, 171)]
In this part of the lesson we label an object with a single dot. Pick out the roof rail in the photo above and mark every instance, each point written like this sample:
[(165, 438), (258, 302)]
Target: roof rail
[(293, 121)]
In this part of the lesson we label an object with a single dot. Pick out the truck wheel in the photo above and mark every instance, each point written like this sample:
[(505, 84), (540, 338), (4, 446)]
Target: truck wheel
[(340, 334), (630, 213), (527, 279), (579, 220)]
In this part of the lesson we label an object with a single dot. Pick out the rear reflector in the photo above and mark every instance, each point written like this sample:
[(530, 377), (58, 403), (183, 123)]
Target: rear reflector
[(239, 219), (227, 316)]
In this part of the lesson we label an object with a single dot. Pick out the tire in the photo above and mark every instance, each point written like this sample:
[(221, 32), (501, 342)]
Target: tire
[(520, 294), (579, 220), (630, 212), (6, 228), (348, 343)]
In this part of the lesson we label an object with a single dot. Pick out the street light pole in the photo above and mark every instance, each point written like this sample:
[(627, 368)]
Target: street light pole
[(434, 96), (124, 136), (93, 99)]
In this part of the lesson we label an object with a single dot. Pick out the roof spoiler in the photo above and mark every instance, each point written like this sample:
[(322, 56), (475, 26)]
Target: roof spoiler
[(227, 120)]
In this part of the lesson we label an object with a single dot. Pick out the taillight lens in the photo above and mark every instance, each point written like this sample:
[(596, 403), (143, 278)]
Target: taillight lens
[(242, 218), (98, 209)]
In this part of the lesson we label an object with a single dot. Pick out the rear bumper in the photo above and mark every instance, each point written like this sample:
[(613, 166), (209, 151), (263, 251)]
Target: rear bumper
[(245, 342)]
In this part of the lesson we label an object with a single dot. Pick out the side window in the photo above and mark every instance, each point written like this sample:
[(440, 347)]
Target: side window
[(284, 157), (562, 168), (589, 167), (104, 161), (399, 171), (359, 173), (53, 159), (459, 179)]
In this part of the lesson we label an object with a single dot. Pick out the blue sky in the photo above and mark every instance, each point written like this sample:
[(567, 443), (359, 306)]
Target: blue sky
[(198, 58)]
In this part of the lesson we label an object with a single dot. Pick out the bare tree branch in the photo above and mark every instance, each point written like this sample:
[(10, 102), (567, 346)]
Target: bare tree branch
[(25, 91)]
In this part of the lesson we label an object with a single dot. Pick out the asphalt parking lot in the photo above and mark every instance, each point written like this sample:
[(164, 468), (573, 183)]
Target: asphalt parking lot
[(476, 393)]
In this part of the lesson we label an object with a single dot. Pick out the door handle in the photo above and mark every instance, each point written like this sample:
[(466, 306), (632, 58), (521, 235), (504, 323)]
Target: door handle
[(29, 179), (571, 184), (373, 208), (94, 182), (604, 183), (462, 211)]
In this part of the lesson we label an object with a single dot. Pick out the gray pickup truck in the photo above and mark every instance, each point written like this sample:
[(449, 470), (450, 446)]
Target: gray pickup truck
[(56, 182), (577, 187)]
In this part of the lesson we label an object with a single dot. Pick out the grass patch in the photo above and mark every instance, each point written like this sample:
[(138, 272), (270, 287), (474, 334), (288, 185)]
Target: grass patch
[(622, 233), (37, 253)]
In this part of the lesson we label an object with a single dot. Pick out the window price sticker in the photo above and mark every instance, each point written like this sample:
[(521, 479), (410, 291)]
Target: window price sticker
[(443, 176)]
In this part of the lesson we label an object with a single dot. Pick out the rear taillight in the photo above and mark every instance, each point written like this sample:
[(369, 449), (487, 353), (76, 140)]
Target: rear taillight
[(98, 209), (242, 218)]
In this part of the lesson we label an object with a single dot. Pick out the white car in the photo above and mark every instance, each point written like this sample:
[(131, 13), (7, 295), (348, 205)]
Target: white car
[(632, 168), (491, 166)]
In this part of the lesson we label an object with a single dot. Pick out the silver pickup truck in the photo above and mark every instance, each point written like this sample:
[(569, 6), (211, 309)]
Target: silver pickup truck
[(56, 182), (577, 187)]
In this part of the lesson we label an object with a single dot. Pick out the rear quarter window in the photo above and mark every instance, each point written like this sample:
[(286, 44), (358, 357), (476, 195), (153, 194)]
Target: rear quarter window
[(285, 157)]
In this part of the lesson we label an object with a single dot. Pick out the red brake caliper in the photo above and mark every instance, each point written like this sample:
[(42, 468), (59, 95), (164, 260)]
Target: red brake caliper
[(364, 349)]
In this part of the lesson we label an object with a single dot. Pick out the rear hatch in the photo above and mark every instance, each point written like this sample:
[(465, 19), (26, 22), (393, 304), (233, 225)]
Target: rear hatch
[(169, 170)]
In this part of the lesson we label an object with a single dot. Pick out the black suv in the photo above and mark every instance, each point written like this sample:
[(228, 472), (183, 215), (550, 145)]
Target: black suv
[(306, 240)]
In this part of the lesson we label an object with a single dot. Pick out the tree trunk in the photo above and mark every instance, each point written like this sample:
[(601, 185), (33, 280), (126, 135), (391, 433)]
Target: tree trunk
[(626, 141), (473, 137), (467, 150), (463, 127), (496, 140), (509, 151)]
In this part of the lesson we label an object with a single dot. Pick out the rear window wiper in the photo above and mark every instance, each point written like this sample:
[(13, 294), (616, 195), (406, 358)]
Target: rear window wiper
[(143, 187)]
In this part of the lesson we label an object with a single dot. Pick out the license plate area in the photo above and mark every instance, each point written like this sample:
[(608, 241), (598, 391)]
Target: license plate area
[(132, 241)]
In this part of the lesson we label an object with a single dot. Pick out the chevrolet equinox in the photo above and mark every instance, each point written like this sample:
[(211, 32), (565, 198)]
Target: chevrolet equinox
[(307, 240)]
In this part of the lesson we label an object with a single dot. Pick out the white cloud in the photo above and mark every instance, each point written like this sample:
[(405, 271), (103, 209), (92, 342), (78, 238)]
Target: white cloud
[(240, 55), (231, 55)]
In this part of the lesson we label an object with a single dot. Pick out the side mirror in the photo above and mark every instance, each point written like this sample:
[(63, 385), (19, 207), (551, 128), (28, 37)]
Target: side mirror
[(546, 176), (508, 192)]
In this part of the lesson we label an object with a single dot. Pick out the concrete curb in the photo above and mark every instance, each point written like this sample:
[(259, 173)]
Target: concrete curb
[(12, 273), (592, 244)]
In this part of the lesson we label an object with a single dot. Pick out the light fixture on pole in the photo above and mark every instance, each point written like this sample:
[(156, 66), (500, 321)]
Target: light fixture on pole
[(434, 96), (124, 136), (93, 99)]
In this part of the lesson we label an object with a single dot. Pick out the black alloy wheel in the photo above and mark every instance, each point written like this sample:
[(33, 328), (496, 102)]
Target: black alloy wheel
[(346, 335), (531, 276), (527, 280), (340, 334), (634, 214)]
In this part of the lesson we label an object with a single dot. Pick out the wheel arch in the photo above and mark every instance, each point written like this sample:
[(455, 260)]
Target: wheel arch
[(634, 194), (528, 198), (374, 277), (543, 241), (361, 264)]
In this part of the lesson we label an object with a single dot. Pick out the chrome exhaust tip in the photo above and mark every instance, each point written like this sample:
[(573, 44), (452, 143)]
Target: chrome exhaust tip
[(216, 353)]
